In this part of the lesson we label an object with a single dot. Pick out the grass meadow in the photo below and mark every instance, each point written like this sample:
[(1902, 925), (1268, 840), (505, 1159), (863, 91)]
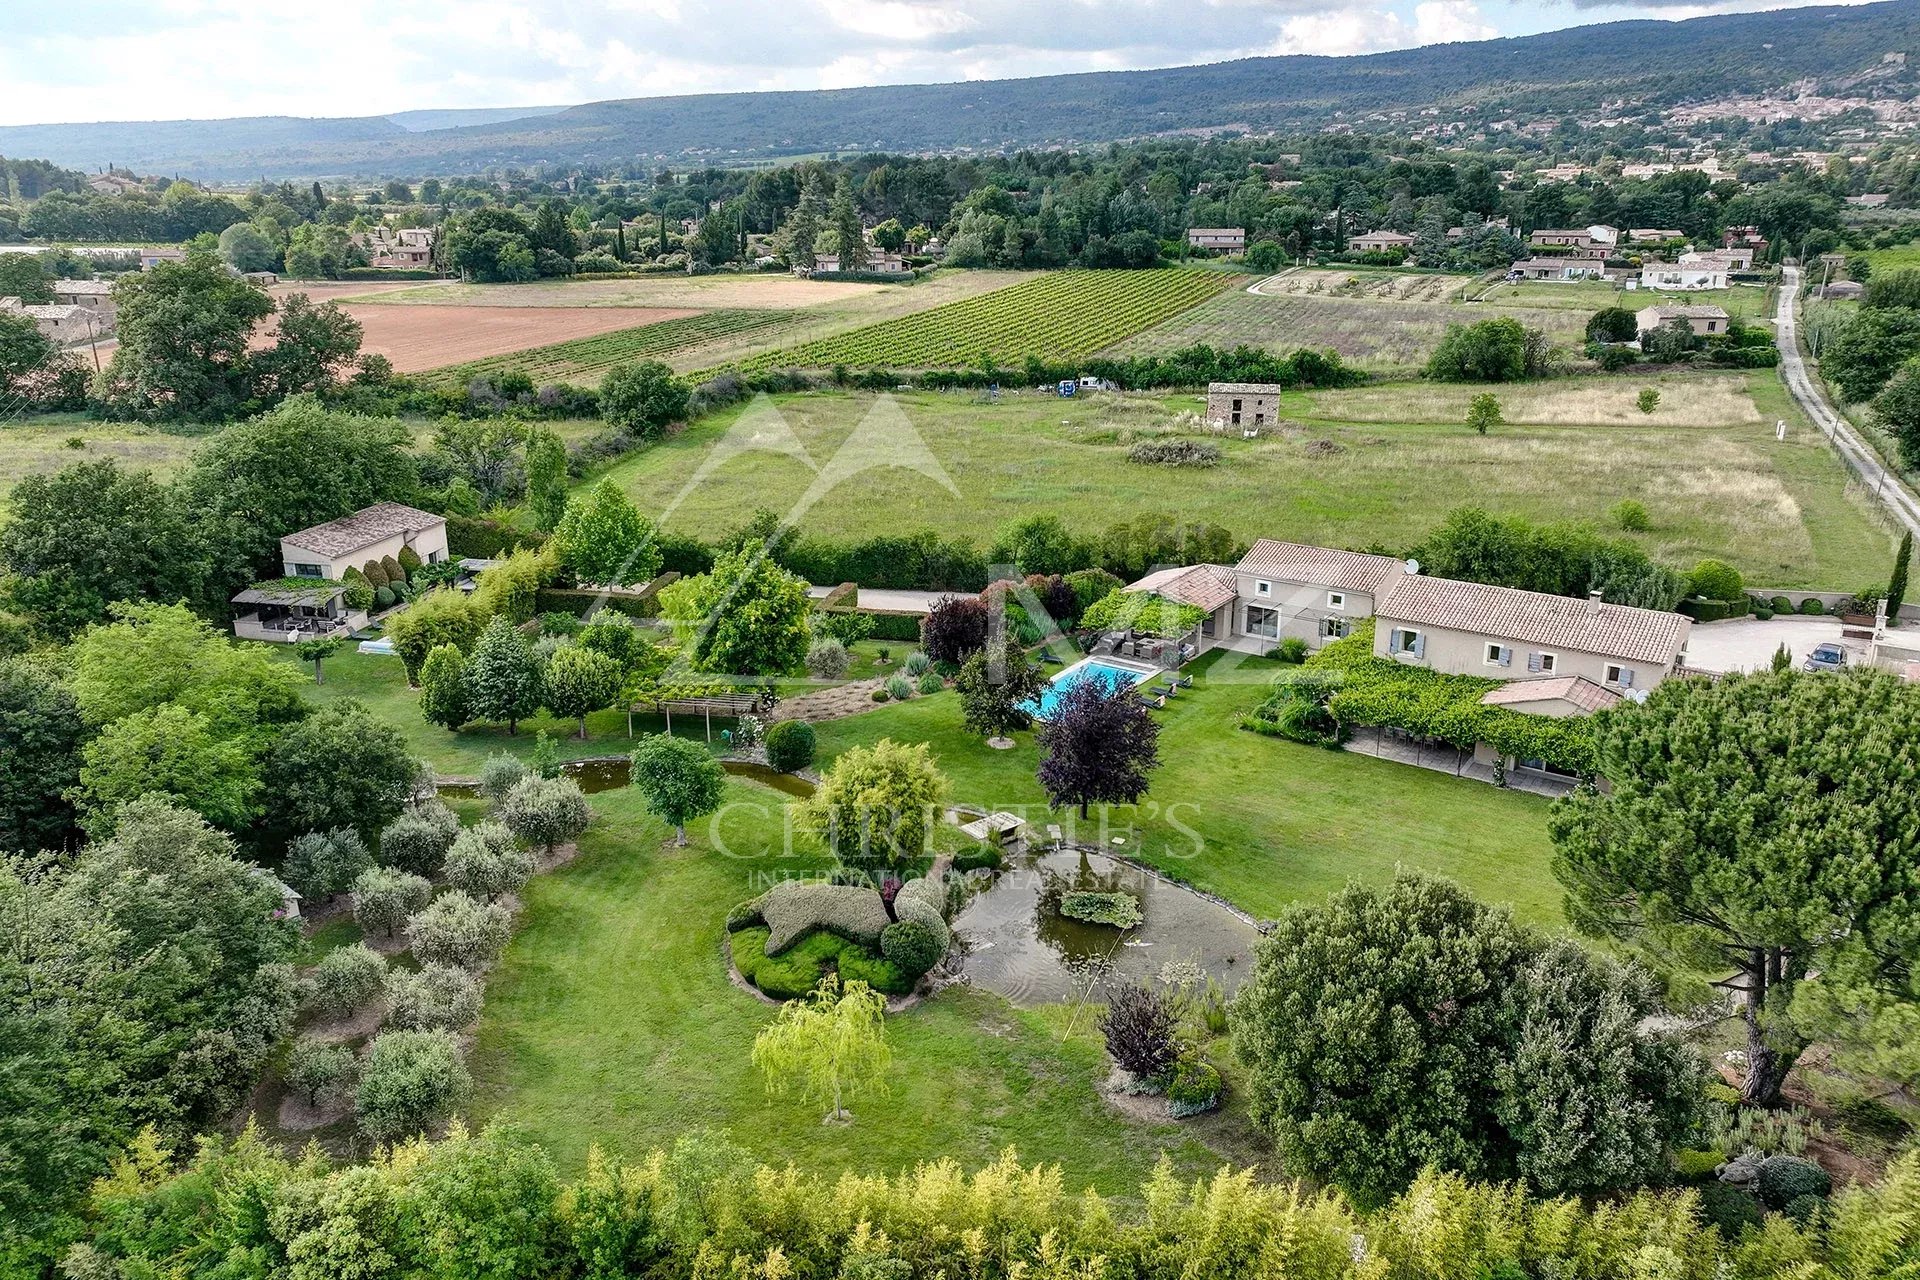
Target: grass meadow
[(1378, 464)]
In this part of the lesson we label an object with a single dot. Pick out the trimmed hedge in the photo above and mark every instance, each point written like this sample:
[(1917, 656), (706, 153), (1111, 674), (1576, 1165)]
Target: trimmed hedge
[(1703, 610), (790, 746), (1384, 694), (478, 538), (798, 972)]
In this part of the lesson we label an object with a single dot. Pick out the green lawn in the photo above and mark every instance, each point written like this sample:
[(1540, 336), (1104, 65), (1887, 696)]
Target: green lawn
[(1749, 302), (611, 1021), (1706, 466), (1259, 821)]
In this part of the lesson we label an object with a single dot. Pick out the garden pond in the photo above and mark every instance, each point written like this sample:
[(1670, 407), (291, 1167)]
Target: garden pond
[(1019, 946)]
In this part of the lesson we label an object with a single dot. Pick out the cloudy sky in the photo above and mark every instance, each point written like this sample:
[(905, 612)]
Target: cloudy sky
[(166, 59)]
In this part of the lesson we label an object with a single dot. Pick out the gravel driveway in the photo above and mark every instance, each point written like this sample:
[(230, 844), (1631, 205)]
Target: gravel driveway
[(1747, 644)]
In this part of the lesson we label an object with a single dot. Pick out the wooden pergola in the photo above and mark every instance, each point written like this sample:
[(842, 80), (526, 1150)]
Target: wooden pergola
[(728, 706)]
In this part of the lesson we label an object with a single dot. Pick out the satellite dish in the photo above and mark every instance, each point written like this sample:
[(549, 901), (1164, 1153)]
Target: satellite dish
[(1413, 566)]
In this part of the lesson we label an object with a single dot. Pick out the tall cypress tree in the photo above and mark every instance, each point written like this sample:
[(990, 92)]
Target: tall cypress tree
[(1897, 584)]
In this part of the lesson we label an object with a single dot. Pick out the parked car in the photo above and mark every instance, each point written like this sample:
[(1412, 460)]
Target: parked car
[(1826, 657)]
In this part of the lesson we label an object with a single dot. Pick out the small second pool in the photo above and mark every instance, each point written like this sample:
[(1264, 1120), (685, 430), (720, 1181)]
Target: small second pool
[(1111, 675)]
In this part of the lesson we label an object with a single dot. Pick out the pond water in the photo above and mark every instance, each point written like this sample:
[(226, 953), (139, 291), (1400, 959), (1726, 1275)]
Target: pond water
[(1019, 946), (614, 771)]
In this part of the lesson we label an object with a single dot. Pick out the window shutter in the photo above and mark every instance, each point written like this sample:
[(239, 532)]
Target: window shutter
[(1393, 642), (1506, 656), (1626, 677), (1419, 646), (1533, 662)]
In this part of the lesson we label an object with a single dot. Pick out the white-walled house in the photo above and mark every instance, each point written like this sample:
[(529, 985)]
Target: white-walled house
[(311, 600)]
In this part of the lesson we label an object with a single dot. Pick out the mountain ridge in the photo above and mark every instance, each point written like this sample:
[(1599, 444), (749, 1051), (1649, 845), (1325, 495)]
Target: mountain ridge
[(1651, 62)]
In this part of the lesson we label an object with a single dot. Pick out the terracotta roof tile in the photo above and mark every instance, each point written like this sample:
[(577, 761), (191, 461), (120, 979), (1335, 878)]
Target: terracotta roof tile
[(1563, 622), (1321, 566), (363, 528)]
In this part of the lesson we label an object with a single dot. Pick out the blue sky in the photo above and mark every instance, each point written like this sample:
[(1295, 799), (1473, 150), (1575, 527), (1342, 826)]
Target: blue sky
[(168, 59)]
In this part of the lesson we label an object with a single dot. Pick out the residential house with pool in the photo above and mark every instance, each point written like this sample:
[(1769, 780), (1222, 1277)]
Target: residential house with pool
[(1557, 655)]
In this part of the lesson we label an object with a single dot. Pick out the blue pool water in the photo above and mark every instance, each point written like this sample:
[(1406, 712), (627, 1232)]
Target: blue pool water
[(1108, 675)]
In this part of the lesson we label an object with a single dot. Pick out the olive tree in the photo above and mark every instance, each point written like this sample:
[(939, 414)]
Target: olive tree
[(384, 897), (486, 861), (454, 929), (546, 811), (412, 1079)]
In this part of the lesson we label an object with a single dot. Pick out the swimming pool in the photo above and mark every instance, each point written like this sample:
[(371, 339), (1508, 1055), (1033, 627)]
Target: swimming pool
[(1111, 675)]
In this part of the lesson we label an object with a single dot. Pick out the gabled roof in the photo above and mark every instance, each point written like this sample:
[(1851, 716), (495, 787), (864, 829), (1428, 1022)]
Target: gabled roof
[(1669, 311), (1533, 617), (1577, 691), (1321, 566), (363, 528), (1207, 586)]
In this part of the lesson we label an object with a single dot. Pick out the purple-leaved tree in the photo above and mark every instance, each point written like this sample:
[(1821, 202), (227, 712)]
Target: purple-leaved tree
[(1099, 744)]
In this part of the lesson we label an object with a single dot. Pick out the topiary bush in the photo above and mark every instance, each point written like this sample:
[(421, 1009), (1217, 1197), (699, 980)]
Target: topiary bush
[(391, 567), (881, 695), (744, 915), (790, 746), (795, 908), (1812, 606), (1781, 604), (911, 947), (796, 972), (1716, 580), (1195, 1088), (1784, 1179)]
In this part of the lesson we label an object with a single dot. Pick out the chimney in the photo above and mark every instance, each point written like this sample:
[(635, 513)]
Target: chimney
[(1593, 603)]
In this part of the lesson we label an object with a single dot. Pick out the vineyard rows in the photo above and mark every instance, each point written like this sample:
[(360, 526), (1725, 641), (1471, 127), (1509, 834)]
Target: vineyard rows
[(582, 358), (1061, 315)]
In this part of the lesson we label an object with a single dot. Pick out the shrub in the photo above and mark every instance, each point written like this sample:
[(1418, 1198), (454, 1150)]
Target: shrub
[(1812, 606), (798, 971), (916, 663), (546, 811), (558, 622), (912, 947), (454, 929), (899, 688), (827, 659), (1631, 515), (1121, 910), (1195, 1088), (412, 1078), (881, 694), (1176, 453), (436, 997), (1716, 580), (795, 908), (1648, 400), (980, 856), (409, 560), (384, 897), (321, 864), (499, 775), (396, 576), (417, 841), (1613, 359), (1695, 1166), (316, 1066), (790, 746), (345, 979), (955, 629), (744, 915), (486, 861), (1781, 604), (1729, 1210), (1291, 649), (929, 683), (1784, 1179), (1138, 1025)]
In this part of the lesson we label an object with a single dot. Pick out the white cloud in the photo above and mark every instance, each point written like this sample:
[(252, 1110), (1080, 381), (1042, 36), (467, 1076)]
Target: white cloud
[(170, 59)]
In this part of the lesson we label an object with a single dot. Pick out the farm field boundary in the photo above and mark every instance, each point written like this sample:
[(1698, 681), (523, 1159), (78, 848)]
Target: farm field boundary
[(582, 358)]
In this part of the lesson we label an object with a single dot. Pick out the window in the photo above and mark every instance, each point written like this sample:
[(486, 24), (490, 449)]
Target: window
[(435, 557), (1406, 640), (309, 571), (1336, 600), (1263, 588), (1236, 406), (1263, 622), (1335, 628), (1498, 655), (1622, 676), (1542, 663)]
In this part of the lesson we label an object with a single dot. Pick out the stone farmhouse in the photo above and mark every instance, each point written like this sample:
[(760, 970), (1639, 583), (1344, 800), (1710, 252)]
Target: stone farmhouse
[(1706, 322), (1218, 239), (1243, 406)]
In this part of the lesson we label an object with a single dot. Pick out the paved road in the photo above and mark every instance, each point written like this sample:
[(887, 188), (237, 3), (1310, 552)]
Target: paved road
[(1859, 455)]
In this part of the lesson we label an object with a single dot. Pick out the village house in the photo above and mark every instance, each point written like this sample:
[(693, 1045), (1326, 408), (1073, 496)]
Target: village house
[(1243, 406), (1379, 242), (64, 323), (95, 295), (1580, 242), (310, 601), (408, 249), (1701, 273), (151, 258), (1844, 291), (879, 260), (1561, 173), (1218, 239), (1654, 235), (1557, 269), (1704, 321)]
